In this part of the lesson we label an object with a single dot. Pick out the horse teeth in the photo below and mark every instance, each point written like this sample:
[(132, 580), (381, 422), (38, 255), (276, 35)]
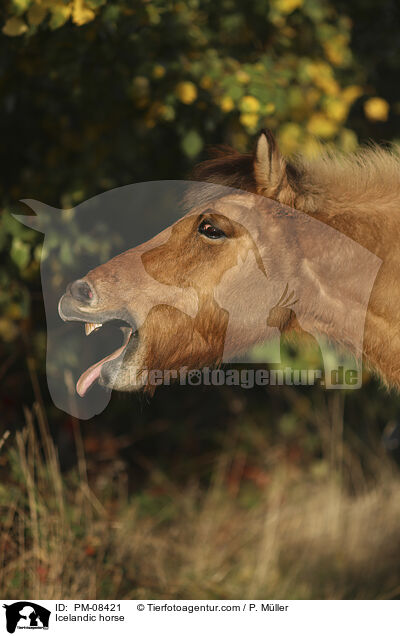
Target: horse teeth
[(92, 326)]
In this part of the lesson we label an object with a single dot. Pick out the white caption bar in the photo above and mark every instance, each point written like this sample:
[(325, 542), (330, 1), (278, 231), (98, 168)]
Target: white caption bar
[(197, 617)]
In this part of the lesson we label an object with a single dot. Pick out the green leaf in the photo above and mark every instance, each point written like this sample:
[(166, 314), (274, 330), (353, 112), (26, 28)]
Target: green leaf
[(14, 26), (20, 6), (20, 253), (192, 143), (11, 226), (3, 237)]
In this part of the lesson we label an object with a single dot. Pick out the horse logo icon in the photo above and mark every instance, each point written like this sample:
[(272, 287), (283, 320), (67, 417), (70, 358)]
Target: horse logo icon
[(26, 615)]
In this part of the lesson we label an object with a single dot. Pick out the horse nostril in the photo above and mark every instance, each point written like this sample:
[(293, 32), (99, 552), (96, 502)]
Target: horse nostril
[(80, 290)]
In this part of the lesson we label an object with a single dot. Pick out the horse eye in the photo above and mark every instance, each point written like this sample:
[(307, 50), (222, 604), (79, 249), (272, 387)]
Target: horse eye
[(210, 231)]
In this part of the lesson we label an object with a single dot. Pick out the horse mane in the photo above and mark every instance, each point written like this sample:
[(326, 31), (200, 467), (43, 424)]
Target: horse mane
[(369, 175), (227, 167)]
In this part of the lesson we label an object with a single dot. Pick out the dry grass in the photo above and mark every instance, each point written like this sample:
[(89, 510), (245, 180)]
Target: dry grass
[(302, 538)]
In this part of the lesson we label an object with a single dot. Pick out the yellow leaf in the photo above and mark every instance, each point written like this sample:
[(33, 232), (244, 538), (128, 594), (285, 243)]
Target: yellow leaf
[(167, 112), (20, 6), (376, 109), (322, 75), (8, 330), (336, 49), (249, 120), (36, 14), (249, 104), (287, 6), (81, 14), (336, 109), (351, 93), (60, 12), (242, 77), (14, 26), (158, 71), (290, 137), (186, 92), (226, 104), (321, 126)]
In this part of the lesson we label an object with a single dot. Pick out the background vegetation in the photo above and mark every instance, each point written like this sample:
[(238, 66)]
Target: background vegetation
[(219, 493)]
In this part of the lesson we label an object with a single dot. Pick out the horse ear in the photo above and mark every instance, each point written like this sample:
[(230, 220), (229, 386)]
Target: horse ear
[(269, 165)]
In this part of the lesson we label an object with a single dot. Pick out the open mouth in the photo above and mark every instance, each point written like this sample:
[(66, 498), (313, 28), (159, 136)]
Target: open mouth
[(93, 373), (108, 324)]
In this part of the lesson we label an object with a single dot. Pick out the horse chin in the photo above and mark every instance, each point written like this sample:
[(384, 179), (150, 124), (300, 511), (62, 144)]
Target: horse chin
[(125, 375)]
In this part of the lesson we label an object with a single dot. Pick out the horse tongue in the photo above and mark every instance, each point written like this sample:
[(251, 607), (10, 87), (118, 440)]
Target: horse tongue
[(90, 376)]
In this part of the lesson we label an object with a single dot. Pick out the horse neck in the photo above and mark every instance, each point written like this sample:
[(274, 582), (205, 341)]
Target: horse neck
[(331, 275), (371, 220)]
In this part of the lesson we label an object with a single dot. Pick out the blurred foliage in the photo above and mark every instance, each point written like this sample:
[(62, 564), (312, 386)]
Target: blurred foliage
[(96, 94), (376, 53)]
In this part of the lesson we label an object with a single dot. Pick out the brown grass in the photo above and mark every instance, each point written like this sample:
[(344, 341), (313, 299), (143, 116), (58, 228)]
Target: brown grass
[(304, 537)]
